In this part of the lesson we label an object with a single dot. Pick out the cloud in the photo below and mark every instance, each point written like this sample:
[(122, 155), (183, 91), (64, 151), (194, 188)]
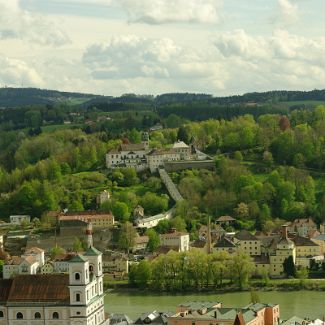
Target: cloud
[(139, 61), (16, 72), (171, 11), (288, 11), (16, 23), (278, 61)]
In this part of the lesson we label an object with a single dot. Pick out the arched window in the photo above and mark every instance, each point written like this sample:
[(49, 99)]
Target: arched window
[(55, 315), (77, 296), (91, 268), (100, 266), (37, 315), (19, 316), (1, 314), (77, 276)]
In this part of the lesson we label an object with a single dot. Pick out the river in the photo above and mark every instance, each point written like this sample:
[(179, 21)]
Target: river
[(299, 303)]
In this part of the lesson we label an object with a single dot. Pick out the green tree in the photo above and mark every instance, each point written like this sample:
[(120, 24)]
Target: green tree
[(77, 245), (127, 237), (121, 211), (289, 267), (241, 268), (154, 240)]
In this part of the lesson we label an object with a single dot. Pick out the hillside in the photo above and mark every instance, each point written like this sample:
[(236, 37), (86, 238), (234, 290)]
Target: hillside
[(13, 97)]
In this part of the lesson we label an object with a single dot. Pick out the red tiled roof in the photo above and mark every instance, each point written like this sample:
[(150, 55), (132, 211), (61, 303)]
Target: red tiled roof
[(5, 286), (39, 288)]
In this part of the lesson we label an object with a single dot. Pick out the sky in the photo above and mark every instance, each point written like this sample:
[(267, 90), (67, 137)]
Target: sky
[(113, 47)]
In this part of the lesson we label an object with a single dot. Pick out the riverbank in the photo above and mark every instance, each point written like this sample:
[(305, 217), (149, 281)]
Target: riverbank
[(257, 285)]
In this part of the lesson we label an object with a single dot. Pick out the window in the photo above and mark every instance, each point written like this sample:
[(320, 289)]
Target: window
[(55, 315), (77, 296), (37, 315), (1, 314), (78, 313), (19, 316), (77, 276), (91, 268)]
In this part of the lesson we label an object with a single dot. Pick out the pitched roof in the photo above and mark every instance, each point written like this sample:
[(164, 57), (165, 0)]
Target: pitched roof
[(179, 145), (225, 218), (303, 241), (174, 234), (5, 286), (92, 251), (34, 250), (132, 147), (199, 243), (245, 235), (224, 242), (39, 288), (78, 259)]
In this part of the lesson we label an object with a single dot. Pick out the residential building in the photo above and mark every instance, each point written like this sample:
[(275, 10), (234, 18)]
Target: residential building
[(320, 241), (155, 318), (207, 314), (19, 219), (98, 220), (247, 243), (140, 243), (153, 221), (225, 221), (18, 265), (176, 239), (306, 250), (102, 197), (225, 244), (37, 253), (76, 298), (182, 149), (303, 227), (157, 157), (115, 263), (47, 268), (280, 249)]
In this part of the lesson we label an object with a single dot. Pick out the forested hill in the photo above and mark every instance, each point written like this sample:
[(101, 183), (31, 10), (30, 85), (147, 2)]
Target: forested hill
[(13, 97)]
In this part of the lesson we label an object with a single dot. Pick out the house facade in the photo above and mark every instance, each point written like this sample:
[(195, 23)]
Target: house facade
[(176, 239)]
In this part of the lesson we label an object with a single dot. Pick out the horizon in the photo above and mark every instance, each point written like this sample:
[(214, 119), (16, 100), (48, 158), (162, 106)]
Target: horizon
[(114, 47)]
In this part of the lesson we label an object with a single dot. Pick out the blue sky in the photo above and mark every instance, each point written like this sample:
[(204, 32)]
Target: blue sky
[(153, 46)]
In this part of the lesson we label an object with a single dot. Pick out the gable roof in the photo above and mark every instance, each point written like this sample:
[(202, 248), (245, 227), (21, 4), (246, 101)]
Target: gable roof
[(92, 251), (78, 259), (37, 288), (225, 242), (245, 235), (225, 219), (303, 241)]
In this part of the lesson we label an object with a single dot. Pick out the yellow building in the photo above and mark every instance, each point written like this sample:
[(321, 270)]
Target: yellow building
[(248, 243), (306, 249)]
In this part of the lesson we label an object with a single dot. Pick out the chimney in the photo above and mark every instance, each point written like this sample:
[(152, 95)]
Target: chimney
[(89, 233), (285, 232)]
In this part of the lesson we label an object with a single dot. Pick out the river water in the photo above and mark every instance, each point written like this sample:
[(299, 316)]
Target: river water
[(299, 303)]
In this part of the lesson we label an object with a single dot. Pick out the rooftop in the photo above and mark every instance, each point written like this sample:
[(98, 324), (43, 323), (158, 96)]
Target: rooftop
[(245, 235), (35, 288)]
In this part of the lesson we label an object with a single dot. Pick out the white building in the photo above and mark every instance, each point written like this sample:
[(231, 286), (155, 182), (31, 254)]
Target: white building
[(183, 149), (19, 265), (176, 239), (153, 221), (156, 158), (57, 299), (128, 155), (17, 220)]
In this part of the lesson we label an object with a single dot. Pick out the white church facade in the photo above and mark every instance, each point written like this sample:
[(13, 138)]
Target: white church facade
[(76, 298)]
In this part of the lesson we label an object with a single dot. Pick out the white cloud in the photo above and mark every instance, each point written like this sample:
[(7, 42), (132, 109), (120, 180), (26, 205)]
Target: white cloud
[(143, 62), (19, 24), (171, 11), (16, 72), (288, 11), (282, 60)]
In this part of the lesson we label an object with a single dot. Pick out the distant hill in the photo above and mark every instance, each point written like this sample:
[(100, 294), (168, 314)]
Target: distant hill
[(13, 97)]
